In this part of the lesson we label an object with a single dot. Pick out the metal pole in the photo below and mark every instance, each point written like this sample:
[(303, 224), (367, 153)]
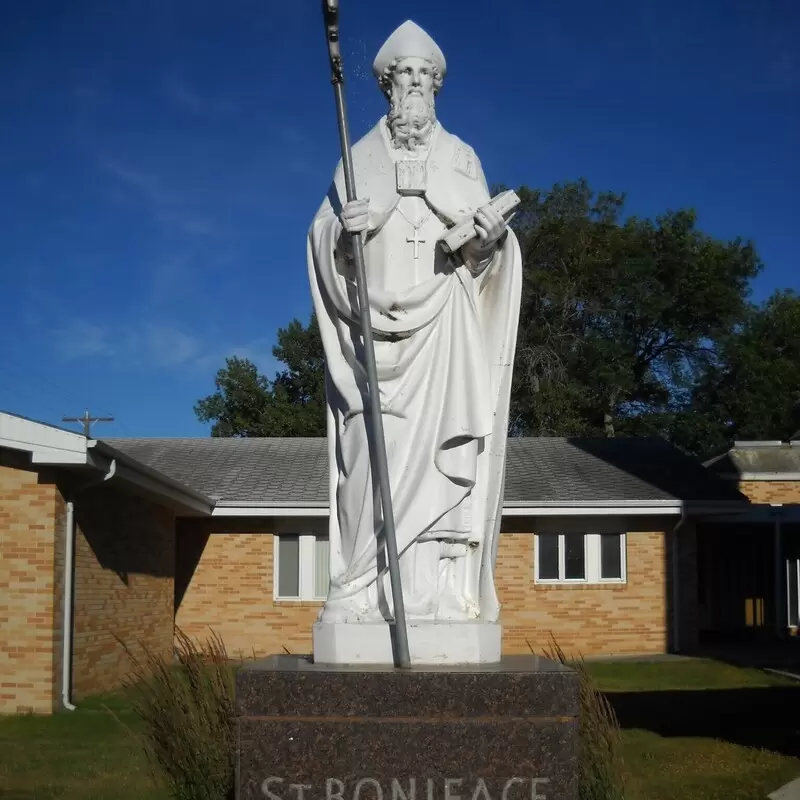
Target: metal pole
[(375, 419), (87, 421)]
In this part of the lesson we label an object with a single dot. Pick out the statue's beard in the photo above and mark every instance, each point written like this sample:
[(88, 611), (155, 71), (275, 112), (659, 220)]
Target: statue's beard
[(411, 119)]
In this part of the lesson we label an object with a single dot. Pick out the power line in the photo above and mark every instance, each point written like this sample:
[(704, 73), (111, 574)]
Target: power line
[(18, 398), (35, 393), (87, 420), (48, 384)]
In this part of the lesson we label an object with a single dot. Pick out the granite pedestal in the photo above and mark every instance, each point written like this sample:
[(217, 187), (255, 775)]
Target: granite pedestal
[(504, 731)]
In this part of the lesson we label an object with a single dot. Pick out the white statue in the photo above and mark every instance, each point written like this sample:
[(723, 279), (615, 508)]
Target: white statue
[(445, 330)]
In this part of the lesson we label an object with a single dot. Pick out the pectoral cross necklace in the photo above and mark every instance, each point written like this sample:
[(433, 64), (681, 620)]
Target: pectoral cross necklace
[(415, 239)]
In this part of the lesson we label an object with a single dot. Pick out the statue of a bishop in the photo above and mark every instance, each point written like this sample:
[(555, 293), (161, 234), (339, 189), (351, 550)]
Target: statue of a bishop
[(445, 328)]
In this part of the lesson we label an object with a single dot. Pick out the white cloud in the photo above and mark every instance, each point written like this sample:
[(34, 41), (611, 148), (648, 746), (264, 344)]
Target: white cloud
[(302, 166), (179, 92), (169, 276), (142, 181), (184, 96), (188, 222), (168, 347), (155, 345), (169, 206), (83, 339)]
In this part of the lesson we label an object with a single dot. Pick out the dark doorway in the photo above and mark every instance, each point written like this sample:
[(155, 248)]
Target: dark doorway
[(736, 580)]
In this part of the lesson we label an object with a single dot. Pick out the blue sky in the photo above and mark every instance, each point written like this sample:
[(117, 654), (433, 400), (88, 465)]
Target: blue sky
[(160, 161)]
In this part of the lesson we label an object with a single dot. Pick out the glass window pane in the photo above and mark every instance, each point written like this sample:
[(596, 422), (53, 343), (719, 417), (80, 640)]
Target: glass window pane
[(321, 566), (610, 556), (574, 556), (288, 566), (548, 556)]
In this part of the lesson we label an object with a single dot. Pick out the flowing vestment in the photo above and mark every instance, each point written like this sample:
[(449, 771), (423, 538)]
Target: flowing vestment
[(444, 351)]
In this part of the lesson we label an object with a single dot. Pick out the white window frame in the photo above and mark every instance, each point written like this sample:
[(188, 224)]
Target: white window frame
[(306, 557), (591, 559)]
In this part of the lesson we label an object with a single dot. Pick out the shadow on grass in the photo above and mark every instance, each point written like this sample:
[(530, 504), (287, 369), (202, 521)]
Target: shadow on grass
[(761, 717)]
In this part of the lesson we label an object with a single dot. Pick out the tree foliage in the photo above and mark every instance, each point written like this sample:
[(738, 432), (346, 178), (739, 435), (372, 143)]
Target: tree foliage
[(246, 403), (619, 317), (754, 390), (628, 326)]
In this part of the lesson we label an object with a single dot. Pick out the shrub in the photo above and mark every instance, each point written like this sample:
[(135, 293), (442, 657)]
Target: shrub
[(188, 717), (601, 757)]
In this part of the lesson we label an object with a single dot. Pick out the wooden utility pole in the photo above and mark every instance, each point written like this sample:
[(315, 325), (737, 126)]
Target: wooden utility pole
[(87, 420)]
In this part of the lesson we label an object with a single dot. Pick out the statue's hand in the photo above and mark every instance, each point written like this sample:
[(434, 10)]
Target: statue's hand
[(490, 231), (489, 226), (355, 216)]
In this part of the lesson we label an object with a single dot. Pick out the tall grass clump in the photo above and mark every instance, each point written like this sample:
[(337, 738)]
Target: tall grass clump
[(601, 775), (187, 714)]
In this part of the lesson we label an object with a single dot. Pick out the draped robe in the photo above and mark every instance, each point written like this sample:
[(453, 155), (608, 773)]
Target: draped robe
[(445, 336)]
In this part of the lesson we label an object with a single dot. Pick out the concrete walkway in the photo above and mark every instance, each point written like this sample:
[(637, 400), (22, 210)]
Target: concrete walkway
[(791, 791)]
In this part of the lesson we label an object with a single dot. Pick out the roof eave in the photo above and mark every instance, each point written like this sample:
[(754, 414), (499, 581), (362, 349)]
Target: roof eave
[(761, 476), (180, 496), (518, 509), (45, 444), (232, 509)]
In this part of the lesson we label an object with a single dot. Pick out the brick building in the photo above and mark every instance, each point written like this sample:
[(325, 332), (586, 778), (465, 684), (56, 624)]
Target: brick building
[(107, 544), (749, 563)]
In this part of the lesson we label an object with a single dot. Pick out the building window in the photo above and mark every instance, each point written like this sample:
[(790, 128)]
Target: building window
[(610, 556), (574, 557), (301, 566), (580, 558)]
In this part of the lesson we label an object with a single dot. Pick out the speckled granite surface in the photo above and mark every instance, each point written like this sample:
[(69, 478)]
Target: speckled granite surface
[(501, 732)]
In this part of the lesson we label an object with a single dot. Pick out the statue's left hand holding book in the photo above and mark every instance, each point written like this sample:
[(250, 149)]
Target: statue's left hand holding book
[(464, 231)]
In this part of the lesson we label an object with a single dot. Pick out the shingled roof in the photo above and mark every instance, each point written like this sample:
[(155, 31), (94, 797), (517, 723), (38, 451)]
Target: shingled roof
[(258, 471), (539, 472)]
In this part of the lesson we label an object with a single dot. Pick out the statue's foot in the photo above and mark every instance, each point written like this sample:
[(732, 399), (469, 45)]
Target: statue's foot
[(451, 603), (420, 607), (453, 606), (354, 609), (417, 605)]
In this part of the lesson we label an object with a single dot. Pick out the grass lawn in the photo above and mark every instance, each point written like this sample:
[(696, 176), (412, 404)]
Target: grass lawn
[(661, 768), (678, 674), (691, 729), (698, 728), (88, 753)]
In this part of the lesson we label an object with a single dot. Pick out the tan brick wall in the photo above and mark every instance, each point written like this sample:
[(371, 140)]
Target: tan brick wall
[(771, 491), (124, 585), (607, 619), (31, 570), (225, 584)]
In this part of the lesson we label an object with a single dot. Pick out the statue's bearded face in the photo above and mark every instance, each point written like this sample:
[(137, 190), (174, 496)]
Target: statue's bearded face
[(411, 87)]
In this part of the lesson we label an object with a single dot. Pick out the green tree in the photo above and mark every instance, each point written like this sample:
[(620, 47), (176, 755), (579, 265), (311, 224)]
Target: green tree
[(754, 390), (620, 316), (246, 403), (628, 326)]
